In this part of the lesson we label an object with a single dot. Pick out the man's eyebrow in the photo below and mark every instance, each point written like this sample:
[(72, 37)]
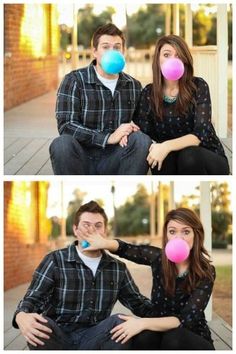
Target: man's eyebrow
[(111, 43)]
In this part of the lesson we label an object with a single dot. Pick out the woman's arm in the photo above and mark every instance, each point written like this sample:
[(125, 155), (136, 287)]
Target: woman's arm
[(158, 152), (132, 326), (139, 254), (196, 304)]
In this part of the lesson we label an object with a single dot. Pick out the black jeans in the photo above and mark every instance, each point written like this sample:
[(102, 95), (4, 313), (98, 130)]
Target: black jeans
[(69, 337), (193, 160), (175, 339), (69, 157)]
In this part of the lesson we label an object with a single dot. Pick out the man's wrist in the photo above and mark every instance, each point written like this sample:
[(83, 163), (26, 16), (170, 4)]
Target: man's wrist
[(18, 316)]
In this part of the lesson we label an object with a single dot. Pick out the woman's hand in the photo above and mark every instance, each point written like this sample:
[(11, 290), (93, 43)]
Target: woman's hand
[(126, 330), (93, 237), (157, 154)]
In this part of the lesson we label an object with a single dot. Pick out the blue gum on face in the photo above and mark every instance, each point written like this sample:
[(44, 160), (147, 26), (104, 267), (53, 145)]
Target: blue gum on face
[(85, 244)]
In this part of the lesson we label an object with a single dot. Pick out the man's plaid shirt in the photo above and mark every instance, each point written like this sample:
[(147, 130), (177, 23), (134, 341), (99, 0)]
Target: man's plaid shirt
[(64, 289), (87, 110)]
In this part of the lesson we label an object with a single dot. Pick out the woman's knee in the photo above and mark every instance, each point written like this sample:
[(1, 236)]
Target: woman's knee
[(147, 340), (172, 340), (190, 160)]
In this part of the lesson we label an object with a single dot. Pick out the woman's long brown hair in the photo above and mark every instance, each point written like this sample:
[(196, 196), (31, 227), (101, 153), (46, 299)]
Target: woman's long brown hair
[(186, 84), (199, 262)]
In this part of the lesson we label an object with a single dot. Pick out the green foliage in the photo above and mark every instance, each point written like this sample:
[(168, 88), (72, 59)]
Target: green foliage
[(55, 228), (224, 274), (220, 223), (65, 37), (72, 208), (133, 216), (142, 26), (88, 22), (202, 25)]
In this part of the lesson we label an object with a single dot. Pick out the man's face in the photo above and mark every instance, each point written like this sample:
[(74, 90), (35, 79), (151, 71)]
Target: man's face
[(105, 43), (90, 222)]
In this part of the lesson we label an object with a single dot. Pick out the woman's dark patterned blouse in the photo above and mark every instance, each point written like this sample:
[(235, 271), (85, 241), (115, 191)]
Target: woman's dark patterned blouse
[(197, 121), (188, 308)]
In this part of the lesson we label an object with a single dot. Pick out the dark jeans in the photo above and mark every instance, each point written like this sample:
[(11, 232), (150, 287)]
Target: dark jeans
[(193, 160), (175, 339), (96, 337), (69, 157)]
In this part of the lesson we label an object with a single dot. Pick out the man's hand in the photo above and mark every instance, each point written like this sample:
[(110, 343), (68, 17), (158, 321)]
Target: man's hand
[(32, 326), (123, 130)]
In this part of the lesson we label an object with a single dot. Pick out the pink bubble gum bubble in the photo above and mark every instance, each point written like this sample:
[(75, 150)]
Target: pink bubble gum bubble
[(177, 250), (172, 69)]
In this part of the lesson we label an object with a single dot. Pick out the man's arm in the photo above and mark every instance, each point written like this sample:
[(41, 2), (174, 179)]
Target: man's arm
[(70, 121), (33, 328), (68, 114), (27, 317), (131, 298)]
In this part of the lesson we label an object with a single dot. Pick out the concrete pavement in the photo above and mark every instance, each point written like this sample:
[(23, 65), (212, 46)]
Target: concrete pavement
[(32, 119)]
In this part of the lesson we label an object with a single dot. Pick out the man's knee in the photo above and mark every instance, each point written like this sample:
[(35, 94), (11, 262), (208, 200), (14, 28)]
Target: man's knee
[(114, 320), (61, 144), (139, 140)]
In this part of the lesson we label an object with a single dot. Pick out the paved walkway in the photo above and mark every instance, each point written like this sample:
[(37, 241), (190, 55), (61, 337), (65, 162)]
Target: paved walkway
[(35, 118)]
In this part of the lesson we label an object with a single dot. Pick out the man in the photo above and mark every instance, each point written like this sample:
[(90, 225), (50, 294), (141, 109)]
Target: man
[(73, 291), (94, 112)]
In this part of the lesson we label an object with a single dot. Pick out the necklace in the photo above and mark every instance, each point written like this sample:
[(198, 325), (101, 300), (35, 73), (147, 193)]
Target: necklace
[(169, 99), (182, 275)]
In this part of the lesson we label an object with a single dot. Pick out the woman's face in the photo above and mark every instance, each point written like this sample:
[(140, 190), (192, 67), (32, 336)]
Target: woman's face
[(176, 229), (167, 52)]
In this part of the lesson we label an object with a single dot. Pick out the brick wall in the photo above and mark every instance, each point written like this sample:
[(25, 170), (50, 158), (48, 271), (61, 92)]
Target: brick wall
[(31, 42), (25, 230)]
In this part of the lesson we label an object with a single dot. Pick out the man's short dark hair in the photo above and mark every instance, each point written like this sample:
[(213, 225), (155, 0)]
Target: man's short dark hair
[(111, 30), (90, 207)]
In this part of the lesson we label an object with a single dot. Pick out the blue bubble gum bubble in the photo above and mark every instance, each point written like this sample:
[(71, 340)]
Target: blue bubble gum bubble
[(112, 62), (85, 244)]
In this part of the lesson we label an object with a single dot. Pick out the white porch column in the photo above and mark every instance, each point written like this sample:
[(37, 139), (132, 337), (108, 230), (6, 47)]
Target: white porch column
[(188, 25), (205, 215), (171, 201), (176, 19), (152, 212), (63, 214), (160, 209), (222, 75), (168, 19), (74, 53)]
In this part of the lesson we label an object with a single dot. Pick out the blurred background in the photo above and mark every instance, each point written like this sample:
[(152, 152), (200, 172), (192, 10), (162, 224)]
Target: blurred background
[(42, 42)]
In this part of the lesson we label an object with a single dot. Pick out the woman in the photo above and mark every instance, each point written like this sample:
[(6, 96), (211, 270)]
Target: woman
[(180, 292), (176, 114)]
